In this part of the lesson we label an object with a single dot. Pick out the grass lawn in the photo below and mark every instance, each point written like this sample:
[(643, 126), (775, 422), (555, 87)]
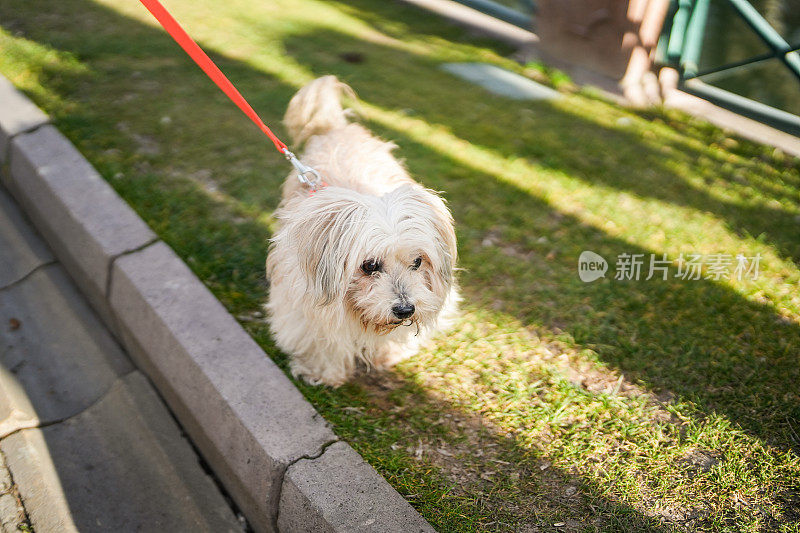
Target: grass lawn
[(555, 405)]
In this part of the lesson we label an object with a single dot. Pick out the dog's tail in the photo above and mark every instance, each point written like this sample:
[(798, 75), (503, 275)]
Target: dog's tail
[(316, 109)]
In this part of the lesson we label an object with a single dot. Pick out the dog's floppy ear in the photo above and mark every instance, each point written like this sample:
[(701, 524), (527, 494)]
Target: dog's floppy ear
[(324, 230), (433, 209)]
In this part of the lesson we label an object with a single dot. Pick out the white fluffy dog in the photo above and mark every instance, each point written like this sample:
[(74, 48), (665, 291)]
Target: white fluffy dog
[(362, 268)]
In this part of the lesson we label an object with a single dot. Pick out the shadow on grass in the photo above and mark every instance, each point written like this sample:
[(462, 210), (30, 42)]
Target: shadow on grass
[(206, 195)]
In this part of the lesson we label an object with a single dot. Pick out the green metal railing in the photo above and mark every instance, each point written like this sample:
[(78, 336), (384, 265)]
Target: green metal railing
[(681, 46)]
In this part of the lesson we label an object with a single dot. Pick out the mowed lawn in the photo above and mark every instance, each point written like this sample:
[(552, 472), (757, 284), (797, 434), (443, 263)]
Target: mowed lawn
[(555, 405)]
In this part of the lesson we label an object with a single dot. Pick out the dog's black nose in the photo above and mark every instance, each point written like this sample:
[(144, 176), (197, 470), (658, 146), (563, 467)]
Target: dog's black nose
[(403, 310)]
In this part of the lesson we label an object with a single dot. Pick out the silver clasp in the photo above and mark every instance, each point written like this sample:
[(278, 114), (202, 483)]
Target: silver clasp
[(307, 175)]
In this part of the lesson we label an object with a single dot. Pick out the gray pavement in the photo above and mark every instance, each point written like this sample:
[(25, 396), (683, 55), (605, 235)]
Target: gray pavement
[(86, 444), (501, 81)]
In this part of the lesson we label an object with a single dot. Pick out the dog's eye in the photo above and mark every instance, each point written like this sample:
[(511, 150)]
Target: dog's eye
[(417, 262), (370, 266)]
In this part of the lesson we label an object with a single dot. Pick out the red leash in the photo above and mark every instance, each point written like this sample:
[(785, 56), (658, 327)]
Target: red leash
[(212, 71)]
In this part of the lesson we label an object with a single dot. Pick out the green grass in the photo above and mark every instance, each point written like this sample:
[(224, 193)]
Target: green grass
[(611, 406)]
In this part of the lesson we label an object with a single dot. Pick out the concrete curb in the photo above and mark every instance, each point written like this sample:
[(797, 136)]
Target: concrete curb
[(273, 452)]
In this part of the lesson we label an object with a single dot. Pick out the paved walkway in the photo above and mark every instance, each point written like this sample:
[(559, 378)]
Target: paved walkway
[(86, 442)]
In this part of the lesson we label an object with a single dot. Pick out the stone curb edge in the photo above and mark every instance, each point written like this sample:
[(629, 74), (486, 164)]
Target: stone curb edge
[(275, 455)]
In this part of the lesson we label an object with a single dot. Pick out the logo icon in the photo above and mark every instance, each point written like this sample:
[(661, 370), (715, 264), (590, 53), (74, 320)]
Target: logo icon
[(591, 266)]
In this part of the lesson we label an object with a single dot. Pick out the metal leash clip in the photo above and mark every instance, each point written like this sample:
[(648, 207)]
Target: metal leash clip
[(307, 175)]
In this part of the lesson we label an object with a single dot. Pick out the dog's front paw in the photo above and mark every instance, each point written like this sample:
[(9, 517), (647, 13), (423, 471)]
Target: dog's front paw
[(328, 377), (391, 354)]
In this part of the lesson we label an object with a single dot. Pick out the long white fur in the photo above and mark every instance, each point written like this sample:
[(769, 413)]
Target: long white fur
[(323, 309)]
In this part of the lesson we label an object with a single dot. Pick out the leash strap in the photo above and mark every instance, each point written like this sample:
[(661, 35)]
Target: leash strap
[(306, 175)]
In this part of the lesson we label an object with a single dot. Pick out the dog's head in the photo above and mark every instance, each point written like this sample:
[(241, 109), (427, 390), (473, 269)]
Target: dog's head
[(388, 260)]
